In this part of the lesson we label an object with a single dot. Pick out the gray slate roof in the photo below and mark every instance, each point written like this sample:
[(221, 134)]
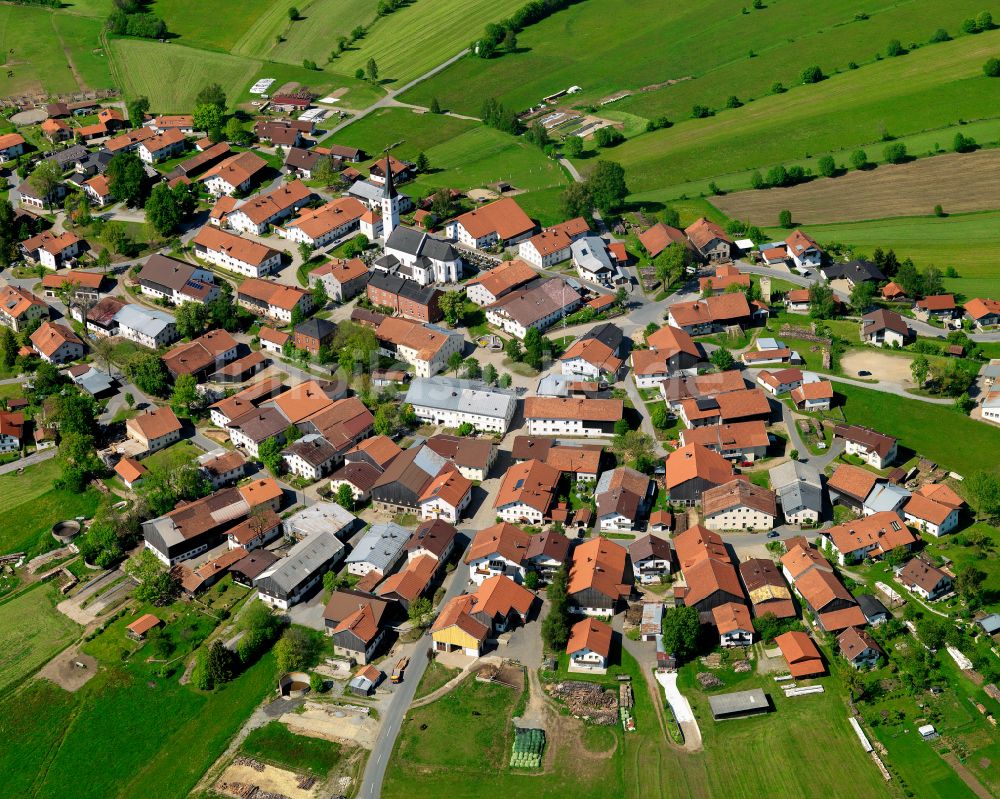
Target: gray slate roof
[(144, 320), (416, 243), (303, 561), (465, 396), (323, 517), (381, 546)]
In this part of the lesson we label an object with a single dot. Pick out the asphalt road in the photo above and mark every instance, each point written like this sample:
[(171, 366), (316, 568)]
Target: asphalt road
[(392, 719)]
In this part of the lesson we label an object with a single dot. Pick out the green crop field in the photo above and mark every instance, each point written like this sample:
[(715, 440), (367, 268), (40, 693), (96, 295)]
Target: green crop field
[(273, 743), (30, 505), (969, 242), (315, 36), (938, 432), (418, 37), (31, 632)]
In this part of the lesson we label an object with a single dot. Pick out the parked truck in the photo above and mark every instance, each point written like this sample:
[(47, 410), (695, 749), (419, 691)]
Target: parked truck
[(399, 668)]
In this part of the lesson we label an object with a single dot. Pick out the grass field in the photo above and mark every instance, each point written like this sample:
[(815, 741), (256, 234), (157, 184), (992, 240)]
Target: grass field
[(934, 431), (642, 765), (462, 154), (273, 743), (174, 456), (315, 36), (29, 506), (958, 182), (31, 632), (188, 20), (54, 740)]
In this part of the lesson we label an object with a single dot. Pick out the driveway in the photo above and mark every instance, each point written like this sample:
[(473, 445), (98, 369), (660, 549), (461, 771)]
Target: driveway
[(682, 710)]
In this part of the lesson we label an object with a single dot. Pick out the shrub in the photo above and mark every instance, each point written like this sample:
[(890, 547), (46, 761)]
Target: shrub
[(785, 218), (813, 74), (940, 35), (894, 48), (778, 87), (991, 69), (859, 159), (701, 111), (827, 166), (895, 153)]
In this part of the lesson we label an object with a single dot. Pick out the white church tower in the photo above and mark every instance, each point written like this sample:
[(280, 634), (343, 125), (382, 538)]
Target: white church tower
[(390, 202)]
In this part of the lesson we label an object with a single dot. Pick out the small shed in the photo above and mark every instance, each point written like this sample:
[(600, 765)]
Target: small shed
[(739, 704), (138, 629), (365, 681)]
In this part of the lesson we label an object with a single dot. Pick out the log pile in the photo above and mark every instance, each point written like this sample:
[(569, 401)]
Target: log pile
[(588, 701)]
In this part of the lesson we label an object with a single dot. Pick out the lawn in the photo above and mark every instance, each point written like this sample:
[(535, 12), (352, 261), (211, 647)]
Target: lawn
[(180, 454), (969, 242), (30, 505), (435, 675), (938, 432), (273, 743), (31, 632)]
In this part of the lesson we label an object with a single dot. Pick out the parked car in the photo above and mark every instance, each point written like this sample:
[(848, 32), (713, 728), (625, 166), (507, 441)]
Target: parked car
[(864, 373), (772, 534)]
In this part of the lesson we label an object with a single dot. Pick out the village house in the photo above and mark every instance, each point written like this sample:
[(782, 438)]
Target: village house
[(801, 654), (884, 328), (726, 275), (500, 549), (582, 461), (176, 281), (272, 340), (853, 272), (312, 334), (766, 588), (19, 307), (130, 471), (779, 382), (850, 486), (292, 578), (408, 482), (201, 356), (11, 147), (709, 574), (57, 343), (924, 579), (98, 191), (245, 257), (189, 169), (799, 489), (875, 612), (310, 457), (474, 457), (589, 646), (53, 250), (652, 558), (404, 297), (303, 163), (816, 395), (411, 582), (141, 627), (286, 133), (100, 319), (874, 448), (452, 402), (538, 306), (341, 278), (823, 593), (671, 351), (235, 174), (31, 198), (600, 578), (55, 130), (125, 143), (745, 405), (885, 498), (252, 429), (934, 509), (358, 635), (983, 311), (489, 286), (11, 431), (527, 492), (85, 286), (261, 211), (738, 441), (733, 623), (242, 402), (547, 553), (424, 347), (446, 496), (710, 314), (222, 467), (797, 301), (572, 416), (594, 262), (710, 240), (871, 537), (940, 307), (317, 227), (596, 355), (691, 470), (623, 497), (380, 549), (154, 429), (433, 539), (501, 222), (739, 505), (859, 648), (660, 236), (803, 251), (274, 300), (552, 245), (162, 146), (151, 328), (468, 621)]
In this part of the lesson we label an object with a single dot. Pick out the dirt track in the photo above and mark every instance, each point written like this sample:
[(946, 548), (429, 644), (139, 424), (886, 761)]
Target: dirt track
[(958, 182)]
